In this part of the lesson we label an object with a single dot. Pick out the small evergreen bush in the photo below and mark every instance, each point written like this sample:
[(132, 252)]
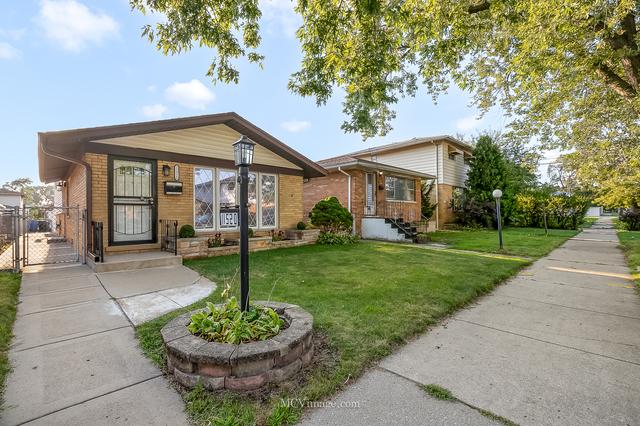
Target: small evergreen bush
[(631, 219), (301, 226), (187, 231), (330, 216)]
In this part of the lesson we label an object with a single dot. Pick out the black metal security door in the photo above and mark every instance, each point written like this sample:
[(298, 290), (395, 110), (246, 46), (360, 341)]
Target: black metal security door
[(132, 201)]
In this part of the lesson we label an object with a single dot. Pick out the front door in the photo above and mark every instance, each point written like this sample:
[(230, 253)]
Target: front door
[(370, 195), (132, 189)]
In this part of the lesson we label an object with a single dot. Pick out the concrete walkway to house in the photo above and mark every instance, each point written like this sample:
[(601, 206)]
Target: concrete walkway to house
[(75, 357), (557, 345)]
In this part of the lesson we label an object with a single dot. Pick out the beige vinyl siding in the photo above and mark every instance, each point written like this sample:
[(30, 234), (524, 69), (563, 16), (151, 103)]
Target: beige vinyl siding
[(207, 141), (454, 172), (421, 158)]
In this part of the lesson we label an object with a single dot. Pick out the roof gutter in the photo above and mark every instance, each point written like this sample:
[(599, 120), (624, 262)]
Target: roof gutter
[(88, 182), (353, 228)]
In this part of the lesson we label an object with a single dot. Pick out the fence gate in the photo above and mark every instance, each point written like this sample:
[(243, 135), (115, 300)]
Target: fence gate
[(52, 235), (10, 239)]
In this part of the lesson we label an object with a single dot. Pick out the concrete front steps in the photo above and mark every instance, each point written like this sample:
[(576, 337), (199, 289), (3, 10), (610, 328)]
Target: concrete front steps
[(378, 228), (131, 261)]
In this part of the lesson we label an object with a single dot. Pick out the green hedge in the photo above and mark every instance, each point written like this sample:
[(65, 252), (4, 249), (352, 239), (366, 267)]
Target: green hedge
[(562, 211)]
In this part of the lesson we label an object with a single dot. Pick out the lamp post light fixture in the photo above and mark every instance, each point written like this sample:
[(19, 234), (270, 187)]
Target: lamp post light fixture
[(243, 156), (497, 194)]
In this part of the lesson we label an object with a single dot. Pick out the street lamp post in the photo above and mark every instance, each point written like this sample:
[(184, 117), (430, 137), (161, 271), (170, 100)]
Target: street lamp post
[(243, 156), (497, 194)]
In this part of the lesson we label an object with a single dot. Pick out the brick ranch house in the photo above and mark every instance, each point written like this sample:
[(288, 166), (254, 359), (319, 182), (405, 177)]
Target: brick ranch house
[(384, 200), (444, 157), (130, 177)]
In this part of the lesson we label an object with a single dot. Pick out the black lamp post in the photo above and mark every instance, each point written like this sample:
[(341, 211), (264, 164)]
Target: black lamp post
[(243, 155), (497, 194)]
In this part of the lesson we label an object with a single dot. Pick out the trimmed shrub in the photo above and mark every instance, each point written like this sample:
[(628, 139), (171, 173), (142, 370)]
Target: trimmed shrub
[(187, 231), (336, 238), (475, 214), (301, 226), (330, 216), (250, 233), (630, 218)]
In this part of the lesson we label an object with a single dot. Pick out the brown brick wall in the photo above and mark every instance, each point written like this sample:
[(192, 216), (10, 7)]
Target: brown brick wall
[(176, 207), (73, 195), (289, 201), (445, 213), (180, 207)]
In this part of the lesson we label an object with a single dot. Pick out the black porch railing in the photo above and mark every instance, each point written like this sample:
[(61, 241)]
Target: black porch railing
[(96, 246), (169, 235)]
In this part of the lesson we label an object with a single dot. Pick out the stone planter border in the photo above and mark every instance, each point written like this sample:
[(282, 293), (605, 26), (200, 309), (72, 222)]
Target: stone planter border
[(242, 367)]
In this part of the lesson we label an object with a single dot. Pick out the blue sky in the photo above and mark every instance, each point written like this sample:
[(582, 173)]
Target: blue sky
[(82, 63)]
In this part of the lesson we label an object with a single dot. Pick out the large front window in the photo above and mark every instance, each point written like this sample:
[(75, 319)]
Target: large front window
[(210, 204), (400, 189)]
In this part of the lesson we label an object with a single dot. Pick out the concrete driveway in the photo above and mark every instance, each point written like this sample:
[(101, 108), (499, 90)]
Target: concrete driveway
[(557, 345), (75, 357)]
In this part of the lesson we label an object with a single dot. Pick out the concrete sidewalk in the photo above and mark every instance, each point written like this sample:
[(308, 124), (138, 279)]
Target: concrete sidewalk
[(557, 345), (75, 357)]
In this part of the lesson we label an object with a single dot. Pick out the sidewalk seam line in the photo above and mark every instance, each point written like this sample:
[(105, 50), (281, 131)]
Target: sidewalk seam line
[(70, 338), (87, 400), (547, 342)]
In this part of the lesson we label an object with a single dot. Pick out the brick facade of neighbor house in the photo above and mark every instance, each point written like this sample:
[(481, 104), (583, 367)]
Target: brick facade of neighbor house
[(335, 185)]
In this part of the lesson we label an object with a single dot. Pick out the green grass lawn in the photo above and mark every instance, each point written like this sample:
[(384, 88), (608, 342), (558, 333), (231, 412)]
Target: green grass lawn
[(366, 300), (630, 243), (9, 287), (530, 242)]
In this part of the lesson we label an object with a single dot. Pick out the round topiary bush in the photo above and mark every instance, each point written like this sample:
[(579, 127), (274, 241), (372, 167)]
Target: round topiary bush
[(330, 216), (301, 226), (187, 231)]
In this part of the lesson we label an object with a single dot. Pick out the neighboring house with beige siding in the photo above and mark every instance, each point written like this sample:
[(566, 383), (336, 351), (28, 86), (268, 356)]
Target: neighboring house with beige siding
[(131, 177), (444, 157)]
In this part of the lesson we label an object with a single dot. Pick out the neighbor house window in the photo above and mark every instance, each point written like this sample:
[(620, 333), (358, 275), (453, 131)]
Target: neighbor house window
[(400, 189), (203, 190), (267, 201)]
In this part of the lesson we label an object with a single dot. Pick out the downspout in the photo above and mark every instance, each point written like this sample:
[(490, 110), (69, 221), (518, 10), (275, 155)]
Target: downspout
[(437, 186), (88, 182), (353, 228)]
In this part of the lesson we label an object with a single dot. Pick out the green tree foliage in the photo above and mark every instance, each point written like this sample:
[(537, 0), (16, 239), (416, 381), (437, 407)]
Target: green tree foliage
[(32, 195), (426, 205), (541, 59), (330, 216), (487, 170)]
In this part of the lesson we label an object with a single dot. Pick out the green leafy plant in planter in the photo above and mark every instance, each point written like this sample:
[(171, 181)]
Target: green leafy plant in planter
[(228, 324), (301, 226), (250, 233), (187, 231), (215, 241)]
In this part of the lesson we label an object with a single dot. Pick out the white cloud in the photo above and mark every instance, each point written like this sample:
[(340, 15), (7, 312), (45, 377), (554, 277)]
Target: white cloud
[(73, 25), (467, 124), (280, 16), (7, 51), (192, 94), (295, 126), (154, 111)]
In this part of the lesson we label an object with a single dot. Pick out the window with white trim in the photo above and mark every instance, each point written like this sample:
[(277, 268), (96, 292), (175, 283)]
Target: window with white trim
[(400, 189), (203, 190), (268, 210), (216, 190)]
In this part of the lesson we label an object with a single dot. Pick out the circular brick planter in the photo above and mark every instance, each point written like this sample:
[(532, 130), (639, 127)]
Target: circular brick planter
[(246, 366)]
